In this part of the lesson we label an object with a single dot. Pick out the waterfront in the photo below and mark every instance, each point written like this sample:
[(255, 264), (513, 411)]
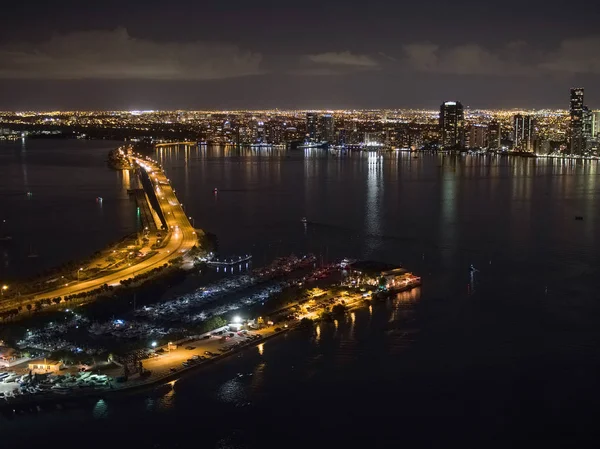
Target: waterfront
[(505, 354)]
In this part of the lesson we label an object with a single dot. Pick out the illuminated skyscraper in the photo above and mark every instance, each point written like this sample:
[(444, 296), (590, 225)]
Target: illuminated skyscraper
[(524, 133), (312, 123), (452, 122), (478, 136), (327, 128), (576, 137), (494, 135), (596, 124)]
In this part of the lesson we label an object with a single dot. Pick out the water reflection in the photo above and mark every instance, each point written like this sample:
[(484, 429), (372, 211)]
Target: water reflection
[(100, 409), (373, 202), (448, 223), (231, 391)]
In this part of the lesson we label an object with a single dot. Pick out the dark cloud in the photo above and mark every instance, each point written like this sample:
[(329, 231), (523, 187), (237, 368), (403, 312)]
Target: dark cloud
[(117, 55), (575, 56), (344, 58), (571, 56)]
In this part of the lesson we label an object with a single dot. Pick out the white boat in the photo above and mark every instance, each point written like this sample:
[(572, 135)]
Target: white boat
[(347, 262)]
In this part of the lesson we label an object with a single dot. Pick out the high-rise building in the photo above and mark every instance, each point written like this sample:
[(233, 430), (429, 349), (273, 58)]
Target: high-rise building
[(494, 135), (524, 133), (478, 136), (312, 126), (576, 137), (327, 128), (588, 124), (452, 122), (596, 124)]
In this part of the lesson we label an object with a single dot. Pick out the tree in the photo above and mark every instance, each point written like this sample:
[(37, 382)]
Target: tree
[(306, 323), (338, 309), (325, 316), (214, 322), (29, 307)]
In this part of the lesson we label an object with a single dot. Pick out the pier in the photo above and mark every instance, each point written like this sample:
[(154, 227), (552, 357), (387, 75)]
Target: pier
[(227, 262)]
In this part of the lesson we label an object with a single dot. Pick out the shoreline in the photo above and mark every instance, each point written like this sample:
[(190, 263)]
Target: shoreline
[(21, 405), (137, 385)]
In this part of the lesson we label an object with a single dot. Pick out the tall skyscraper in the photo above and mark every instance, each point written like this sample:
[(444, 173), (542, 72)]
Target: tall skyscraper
[(588, 124), (452, 123), (478, 136), (494, 135), (576, 138), (524, 133), (596, 124), (327, 128), (312, 126)]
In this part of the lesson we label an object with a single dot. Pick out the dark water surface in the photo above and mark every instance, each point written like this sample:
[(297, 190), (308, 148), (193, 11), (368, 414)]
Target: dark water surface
[(60, 220), (507, 356)]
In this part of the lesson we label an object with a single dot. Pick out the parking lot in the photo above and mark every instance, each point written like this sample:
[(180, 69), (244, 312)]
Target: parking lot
[(196, 351)]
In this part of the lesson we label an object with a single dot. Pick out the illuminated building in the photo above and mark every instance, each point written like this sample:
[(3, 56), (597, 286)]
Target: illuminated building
[(576, 110), (327, 128), (596, 124), (478, 136), (494, 135), (452, 122), (524, 132), (312, 122)]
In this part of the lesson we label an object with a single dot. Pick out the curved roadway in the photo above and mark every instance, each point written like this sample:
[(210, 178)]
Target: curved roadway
[(182, 237)]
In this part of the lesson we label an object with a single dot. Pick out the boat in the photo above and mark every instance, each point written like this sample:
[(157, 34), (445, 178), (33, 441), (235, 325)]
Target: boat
[(304, 220), (579, 218), (313, 145), (347, 262)]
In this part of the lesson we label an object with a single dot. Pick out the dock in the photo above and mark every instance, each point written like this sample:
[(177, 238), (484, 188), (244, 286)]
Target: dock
[(227, 262)]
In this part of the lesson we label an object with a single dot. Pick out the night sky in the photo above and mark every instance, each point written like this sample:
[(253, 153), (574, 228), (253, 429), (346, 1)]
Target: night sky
[(147, 54)]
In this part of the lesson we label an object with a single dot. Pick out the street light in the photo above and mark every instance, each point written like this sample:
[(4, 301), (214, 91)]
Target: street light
[(4, 287), (154, 344), (193, 221), (78, 271)]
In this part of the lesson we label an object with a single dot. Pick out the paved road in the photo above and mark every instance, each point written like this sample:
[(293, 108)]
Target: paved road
[(182, 237)]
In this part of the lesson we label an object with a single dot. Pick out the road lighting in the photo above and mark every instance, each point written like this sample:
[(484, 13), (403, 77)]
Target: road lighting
[(154, 344), (4, 287), (193, 221), (79, 271)]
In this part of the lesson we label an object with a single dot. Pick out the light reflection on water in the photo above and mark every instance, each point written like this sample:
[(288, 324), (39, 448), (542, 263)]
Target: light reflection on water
[(433, 350), (231, 391), (100, 409)]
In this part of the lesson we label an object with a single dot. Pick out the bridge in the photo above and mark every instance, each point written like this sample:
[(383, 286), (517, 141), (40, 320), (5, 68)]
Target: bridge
[(180, 238), (172, 144)]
